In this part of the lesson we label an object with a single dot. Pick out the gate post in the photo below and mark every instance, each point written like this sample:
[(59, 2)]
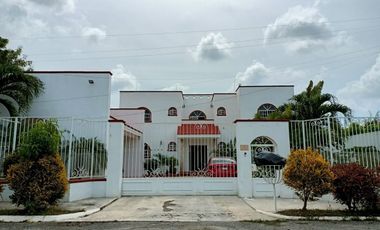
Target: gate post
[(244, 162), (115, 159)]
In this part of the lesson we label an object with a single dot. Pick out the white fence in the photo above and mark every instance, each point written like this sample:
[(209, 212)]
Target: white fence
[(340, 140), (83, 143), (189, 149)]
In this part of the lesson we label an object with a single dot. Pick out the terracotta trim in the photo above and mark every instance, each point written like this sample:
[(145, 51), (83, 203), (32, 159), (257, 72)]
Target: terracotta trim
[(126, 109), (3, 181), (82, 180), (125, 123), (117, 121), (71, 181), (70, 71), (149, 91), (262, 86), (198, 120), (261, 120)]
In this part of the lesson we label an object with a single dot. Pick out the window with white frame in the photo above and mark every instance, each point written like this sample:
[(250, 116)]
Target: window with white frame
[(147, 115), (147, 151), (221, 111), (265, 109), (172, 112), (197, 115), (172, 146), (262, 144)]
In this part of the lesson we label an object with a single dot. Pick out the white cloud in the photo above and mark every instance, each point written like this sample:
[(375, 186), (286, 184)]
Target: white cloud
[(61, 5), (305, 29), (213, 46), (258, 73), (94, 34), (176, 87), (363, 94), (123, 80)]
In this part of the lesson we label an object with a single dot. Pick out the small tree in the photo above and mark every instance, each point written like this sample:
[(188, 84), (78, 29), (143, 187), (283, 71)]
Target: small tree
[(309, 174), (37, 177), (355, 186)]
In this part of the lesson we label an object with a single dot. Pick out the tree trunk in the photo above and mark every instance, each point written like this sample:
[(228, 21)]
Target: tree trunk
[(305, 203)]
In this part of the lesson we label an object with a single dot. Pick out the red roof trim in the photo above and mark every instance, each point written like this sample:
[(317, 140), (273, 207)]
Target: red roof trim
[(261, 120), (127, 109), (3, 181), (70, 71), (113, 119), (82, 180)]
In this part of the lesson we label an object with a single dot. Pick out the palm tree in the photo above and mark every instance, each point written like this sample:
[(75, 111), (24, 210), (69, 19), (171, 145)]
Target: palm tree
[(17, 88), (312, 103)]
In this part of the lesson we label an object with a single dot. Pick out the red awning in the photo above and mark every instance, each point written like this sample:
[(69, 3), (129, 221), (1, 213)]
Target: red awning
[(198, 129)]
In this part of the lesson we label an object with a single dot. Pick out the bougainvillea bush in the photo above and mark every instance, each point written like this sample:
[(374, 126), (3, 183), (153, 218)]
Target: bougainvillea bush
[(38, 177), (309, 174), (356, 186)]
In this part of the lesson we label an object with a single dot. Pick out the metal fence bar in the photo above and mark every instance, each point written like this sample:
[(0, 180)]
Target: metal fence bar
[(83, 152), (339, 139)]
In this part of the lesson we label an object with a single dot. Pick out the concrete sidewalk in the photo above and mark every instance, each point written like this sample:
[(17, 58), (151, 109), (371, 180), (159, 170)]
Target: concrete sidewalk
[(177, 208)]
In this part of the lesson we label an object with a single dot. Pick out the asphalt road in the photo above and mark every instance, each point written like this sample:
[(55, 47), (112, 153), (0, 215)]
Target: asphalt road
[(309, 225)]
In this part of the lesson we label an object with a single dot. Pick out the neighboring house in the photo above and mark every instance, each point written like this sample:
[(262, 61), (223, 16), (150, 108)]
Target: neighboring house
[(195, 127)]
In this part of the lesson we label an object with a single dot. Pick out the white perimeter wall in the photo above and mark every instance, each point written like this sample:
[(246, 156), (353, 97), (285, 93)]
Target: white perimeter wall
[(364, 140), (71, 95)]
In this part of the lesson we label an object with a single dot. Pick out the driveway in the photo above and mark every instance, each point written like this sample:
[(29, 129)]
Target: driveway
[(177, 208)]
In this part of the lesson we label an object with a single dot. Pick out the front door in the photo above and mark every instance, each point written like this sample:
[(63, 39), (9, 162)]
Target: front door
[(197, 157)]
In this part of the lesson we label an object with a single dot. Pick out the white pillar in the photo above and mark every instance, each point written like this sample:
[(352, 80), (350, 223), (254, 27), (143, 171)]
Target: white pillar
[(115, 159), (243, 163)]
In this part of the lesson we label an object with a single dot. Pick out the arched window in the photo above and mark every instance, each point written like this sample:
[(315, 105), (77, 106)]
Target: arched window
[(172, 146), (147, 151), (265, 109), (197, 115), (221, 111), (147, 115), (262, 144), (172, 112)]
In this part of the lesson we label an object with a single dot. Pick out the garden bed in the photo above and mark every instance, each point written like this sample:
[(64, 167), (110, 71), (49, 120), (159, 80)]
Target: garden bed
[(50, 211), (321, 212)]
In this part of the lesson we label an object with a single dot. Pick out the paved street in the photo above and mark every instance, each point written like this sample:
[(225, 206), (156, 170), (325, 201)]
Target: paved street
[(294, 225), (178, 208)]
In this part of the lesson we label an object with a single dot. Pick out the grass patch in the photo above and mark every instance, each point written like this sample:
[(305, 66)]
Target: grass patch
[(50, 211), (321, 212)]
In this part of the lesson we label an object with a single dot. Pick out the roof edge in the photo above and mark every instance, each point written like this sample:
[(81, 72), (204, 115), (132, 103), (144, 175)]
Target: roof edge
[(69, 71)]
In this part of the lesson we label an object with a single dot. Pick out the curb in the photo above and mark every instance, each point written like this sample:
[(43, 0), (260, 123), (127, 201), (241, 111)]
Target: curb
[(331, 218), (53, 218), (336, 218)]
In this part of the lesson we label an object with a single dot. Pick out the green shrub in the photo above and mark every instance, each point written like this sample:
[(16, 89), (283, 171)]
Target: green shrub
[(309, 174), (10, 160), (37, 184), (42, 139), (356, 186)]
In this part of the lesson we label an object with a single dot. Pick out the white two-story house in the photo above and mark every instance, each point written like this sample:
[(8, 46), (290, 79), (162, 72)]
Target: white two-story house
[(193, 127)]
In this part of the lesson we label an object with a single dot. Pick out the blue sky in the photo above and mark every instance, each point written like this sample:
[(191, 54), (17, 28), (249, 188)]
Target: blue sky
[(206, 46)]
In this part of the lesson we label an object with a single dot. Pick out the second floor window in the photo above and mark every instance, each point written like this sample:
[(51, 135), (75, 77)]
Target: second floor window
[(172, 112), (265, 109), (221, 111), (197, 115), (147, 115)]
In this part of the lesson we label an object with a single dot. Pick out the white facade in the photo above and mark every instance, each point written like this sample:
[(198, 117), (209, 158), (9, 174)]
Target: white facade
[(243, 104), (80, 94)]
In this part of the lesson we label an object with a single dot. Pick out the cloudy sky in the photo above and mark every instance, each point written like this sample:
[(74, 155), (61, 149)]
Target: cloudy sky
[(208, 46)]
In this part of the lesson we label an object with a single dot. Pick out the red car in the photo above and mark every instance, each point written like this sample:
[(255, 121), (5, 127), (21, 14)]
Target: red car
[(222, 167)]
